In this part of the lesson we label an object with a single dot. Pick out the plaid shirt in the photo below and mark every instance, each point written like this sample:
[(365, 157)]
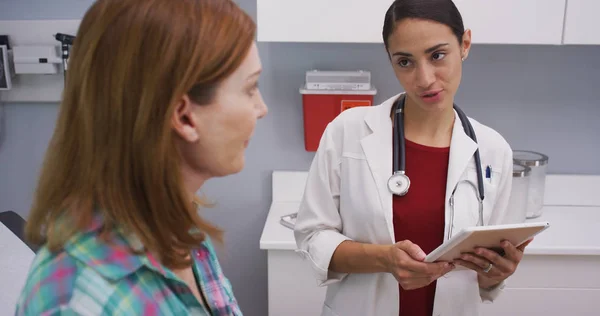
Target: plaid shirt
[(90, 277)]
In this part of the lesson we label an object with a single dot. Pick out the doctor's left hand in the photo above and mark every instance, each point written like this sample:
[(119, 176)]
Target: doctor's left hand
[(491, 267)]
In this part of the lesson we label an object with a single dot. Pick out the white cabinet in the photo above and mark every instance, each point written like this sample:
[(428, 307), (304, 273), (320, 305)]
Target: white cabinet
[(550, 285), (293, 290), (513, 21), (361, 21), (582, 25), (526, 302), (558, 275), (321, 20)]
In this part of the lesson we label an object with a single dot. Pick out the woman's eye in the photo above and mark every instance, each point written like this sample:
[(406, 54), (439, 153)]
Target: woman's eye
[(438, 56), (253, 89), (403, 63)]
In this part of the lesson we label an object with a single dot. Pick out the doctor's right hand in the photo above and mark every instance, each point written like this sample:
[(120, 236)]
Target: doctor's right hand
[(404, 261)]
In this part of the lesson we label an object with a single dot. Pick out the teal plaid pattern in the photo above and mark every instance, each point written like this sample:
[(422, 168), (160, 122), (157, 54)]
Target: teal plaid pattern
[(91, 277)]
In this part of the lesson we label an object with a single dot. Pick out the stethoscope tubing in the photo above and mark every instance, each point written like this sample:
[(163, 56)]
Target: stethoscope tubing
[(399, 159)]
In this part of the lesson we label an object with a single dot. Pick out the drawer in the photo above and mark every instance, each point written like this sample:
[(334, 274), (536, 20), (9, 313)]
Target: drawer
[(537, 271), (547, 302)]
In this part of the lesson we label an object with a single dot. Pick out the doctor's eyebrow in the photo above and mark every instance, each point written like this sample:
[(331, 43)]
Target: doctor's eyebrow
[(427, 51)]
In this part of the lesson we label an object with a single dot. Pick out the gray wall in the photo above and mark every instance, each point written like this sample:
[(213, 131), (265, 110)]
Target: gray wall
[(539, 97)]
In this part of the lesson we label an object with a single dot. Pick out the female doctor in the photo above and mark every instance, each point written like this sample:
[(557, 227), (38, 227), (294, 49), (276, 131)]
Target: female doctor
[(366, 233)]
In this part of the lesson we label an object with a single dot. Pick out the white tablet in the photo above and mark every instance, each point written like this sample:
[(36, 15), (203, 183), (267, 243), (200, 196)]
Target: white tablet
[(489, 237)]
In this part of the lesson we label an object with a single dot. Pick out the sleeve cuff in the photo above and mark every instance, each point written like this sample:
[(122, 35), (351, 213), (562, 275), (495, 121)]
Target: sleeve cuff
[(490, 294), (320, 251)]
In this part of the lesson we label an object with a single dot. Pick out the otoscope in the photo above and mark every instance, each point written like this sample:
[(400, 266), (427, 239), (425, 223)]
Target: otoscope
[(66, 42)]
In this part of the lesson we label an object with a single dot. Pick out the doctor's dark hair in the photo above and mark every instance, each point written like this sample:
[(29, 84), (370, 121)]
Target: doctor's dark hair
[(441, 11)]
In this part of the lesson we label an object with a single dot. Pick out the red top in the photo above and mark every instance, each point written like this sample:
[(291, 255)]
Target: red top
[(419, 215)]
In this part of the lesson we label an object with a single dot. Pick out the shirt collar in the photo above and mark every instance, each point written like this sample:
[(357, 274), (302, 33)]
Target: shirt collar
[(112, 256)]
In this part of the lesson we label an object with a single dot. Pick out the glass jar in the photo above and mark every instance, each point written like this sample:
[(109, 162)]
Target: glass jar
[(519, 195), (538, 163)]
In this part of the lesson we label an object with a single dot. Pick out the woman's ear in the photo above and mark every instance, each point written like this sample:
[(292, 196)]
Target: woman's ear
[(184, 120), (465, 44)]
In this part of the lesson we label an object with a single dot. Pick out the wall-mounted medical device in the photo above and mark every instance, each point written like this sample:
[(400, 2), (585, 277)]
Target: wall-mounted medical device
[(5, 66), (36, 60), (66, 42)]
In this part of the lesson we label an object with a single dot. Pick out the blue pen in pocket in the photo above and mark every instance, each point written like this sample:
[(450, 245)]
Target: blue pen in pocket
[(488, 173)]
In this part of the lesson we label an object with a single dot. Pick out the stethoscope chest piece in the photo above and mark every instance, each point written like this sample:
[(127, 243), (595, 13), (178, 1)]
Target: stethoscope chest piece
[(399, 183)]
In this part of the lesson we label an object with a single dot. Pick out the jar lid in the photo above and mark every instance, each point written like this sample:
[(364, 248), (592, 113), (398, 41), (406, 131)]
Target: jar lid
[(529, 158), (520, 171)]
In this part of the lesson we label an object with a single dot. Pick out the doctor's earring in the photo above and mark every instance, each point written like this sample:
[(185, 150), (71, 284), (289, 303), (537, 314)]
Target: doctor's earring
[(463, 58)]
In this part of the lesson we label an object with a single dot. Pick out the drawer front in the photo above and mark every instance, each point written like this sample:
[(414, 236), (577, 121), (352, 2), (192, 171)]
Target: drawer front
[(557, 272), (547, 302)]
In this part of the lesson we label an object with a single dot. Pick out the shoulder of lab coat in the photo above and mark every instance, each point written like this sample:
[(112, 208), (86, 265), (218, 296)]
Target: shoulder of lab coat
[(496, 145), (318, 228)]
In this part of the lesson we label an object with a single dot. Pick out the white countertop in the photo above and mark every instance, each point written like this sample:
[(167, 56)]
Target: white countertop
[(573, 230), (276, 236), (572, 209)]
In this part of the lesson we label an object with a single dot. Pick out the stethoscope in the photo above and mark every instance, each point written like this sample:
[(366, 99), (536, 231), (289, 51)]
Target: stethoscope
[(399, 183)]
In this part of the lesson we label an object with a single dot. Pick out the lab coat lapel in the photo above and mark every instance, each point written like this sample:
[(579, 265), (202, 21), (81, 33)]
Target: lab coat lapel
[(462, 149), (377, 148)]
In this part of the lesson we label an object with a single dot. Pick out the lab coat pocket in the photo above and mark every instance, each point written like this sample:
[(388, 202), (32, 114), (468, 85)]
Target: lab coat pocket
[(360, 203), (353, 155), (491, 174), (491, 179)]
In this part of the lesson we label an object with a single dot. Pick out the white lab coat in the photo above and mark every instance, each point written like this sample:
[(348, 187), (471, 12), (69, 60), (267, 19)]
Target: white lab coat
[(347, 198)]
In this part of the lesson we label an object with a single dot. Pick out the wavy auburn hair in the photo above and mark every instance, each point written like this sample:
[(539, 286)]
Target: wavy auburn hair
[(113, 148)]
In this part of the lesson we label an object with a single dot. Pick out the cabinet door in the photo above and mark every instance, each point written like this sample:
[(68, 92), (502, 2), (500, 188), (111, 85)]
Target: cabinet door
[(548, 302), (292, 288), (514, 21), (582, 24), (361, 21), (358, 21)]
